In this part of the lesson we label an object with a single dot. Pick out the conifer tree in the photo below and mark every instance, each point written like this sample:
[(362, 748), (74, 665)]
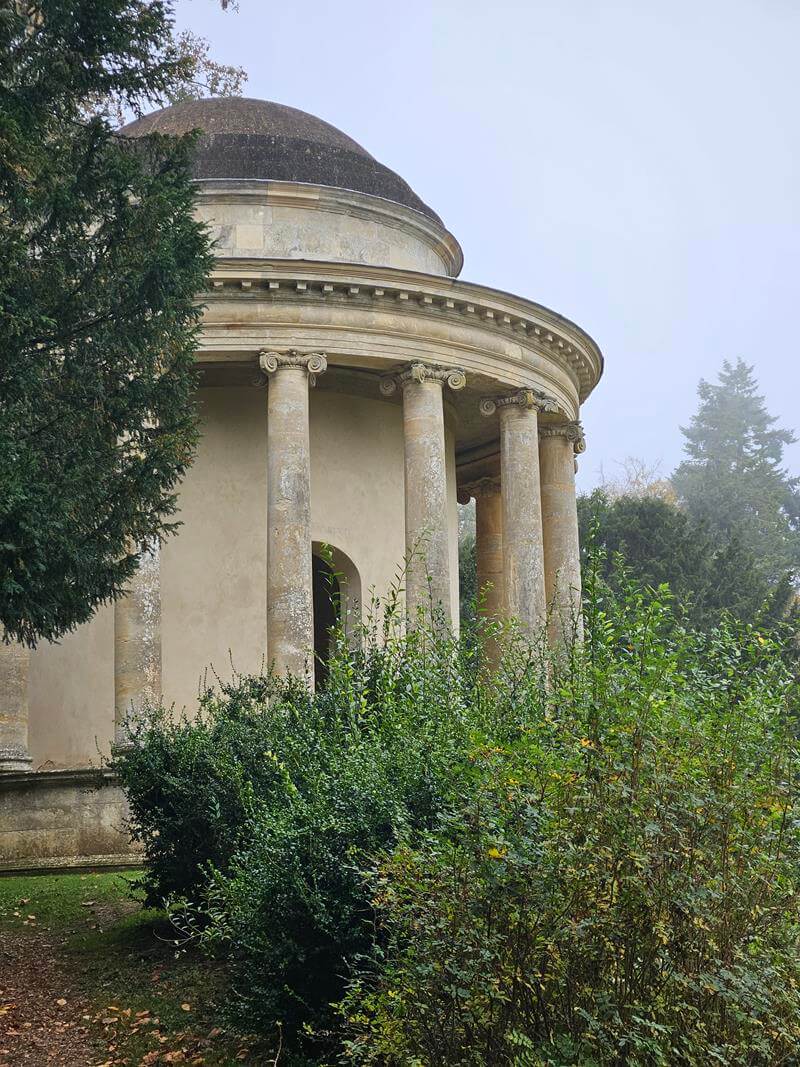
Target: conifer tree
[(734, 479), (658, 541), (100, 263)]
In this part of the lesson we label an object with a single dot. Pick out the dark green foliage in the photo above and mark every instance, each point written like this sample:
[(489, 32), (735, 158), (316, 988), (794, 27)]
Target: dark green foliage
[(619, 882), (587, 860), (100, 262), (467, 577), (733, 479), (282, 794), (192, 784), (707, 572)]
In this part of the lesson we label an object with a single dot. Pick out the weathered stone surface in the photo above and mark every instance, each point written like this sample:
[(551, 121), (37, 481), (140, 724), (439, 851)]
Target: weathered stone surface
[(290, 599), (137, 642), (14, 667), (63, 818), (489, 545), (562, 562), (428, 580), (245, 138), (523, 562)]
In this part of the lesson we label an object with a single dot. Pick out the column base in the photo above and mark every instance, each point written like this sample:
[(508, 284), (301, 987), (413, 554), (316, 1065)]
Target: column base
[(15, 759)]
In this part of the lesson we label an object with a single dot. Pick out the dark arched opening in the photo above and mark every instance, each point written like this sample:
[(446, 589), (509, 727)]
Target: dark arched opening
[(327, 607)]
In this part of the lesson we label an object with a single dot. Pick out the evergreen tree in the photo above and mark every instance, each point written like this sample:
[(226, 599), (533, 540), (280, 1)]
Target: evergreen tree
[(100, 261), (733, 479), (661, 543)]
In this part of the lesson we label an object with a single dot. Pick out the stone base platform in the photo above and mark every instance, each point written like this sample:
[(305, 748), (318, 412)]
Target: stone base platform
[(63, 820)]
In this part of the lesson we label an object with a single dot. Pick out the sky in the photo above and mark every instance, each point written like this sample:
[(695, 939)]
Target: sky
[(633, 165)]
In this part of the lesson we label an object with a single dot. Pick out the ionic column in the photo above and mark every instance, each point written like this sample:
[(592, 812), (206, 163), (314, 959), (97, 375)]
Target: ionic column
[(523, 553), (427, 529), (290, 599), (137, 642), (14, 663), (558, 445)]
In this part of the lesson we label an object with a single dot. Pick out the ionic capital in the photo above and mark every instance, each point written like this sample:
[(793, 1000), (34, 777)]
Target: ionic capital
[(314, 362), (573, 431), (419, 372), (531, 399)]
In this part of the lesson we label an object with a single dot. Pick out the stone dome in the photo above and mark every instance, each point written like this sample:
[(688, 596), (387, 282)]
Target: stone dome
[(258, 139)]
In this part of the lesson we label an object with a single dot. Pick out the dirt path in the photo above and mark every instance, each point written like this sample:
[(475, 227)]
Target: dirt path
[(41, 1020)]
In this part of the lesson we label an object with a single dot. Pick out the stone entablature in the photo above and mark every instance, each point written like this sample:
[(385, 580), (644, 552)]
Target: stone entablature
[(486, 331)]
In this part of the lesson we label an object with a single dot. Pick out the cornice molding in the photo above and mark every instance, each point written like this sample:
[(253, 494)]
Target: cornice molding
[(408, 292)]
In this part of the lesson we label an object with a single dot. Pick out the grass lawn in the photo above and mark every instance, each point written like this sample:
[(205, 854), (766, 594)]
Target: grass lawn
[(132, 998)]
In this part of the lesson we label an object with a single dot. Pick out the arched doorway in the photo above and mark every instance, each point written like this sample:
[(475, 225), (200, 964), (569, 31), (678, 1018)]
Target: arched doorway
[(327, 613), (337, 601)]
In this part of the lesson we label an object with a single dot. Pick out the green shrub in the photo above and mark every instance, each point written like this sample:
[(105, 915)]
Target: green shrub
[(618, 883), (259, 814), (587, 859), (193, 784)]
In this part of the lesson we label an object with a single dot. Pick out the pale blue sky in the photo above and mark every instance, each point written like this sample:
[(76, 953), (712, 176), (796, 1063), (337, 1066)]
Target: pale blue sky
[(633, 165)]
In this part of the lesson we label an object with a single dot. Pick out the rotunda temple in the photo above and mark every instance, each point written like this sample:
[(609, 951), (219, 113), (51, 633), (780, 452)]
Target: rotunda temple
[(352, 391)]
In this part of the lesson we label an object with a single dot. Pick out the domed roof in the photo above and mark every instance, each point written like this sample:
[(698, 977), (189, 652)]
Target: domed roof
[(245, 138)]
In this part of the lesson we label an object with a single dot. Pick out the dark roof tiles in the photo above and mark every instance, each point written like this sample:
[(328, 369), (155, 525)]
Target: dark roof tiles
[(245, 138)]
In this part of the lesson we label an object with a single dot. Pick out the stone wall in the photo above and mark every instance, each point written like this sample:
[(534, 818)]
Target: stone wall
[(213, 572), (60, 819)]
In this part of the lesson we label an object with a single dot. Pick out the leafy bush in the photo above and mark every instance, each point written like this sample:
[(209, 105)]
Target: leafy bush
[(259, 813), (586, 859), (618, 883), (193, 785)]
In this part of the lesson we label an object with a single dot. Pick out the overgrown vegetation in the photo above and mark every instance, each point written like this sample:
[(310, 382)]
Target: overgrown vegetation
[(618, 883), (270, 800), (588, 860)]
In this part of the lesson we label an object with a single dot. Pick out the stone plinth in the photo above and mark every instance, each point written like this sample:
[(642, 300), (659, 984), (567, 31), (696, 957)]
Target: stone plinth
[(56, 819)]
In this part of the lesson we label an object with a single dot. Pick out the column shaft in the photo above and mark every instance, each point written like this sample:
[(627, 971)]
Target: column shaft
[(137, 642), (523, 560), (14, 664), (489, 548), (562, 563), (290, 601), (427, 532)]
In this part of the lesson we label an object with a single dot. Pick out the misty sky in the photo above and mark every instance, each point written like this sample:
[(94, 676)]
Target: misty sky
[(633, 165)]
